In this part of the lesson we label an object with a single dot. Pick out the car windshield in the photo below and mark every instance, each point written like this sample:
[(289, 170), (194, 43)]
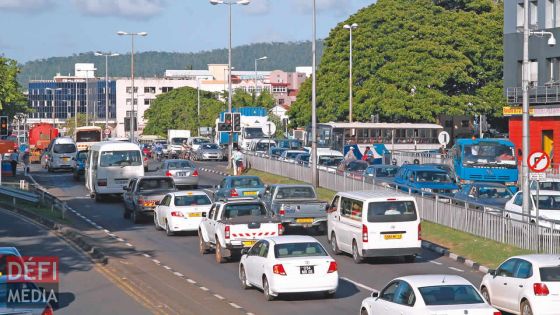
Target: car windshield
[(290, 144), (326, 160), (357, 166), (263, 146), (489, 154), (120, 158), (178, 141), (64, 148), (549, 202), (450, 295), (88, 136), (432, 176), (155, 184), (193, 200), (308, 249), (292, 155), (277, 151), (243, 210), (298, 192), (210, 146), (386, 171), (303, 157), (391, 211), (550, 274), (253, 133), (200, 140), (176, 165), (491, 192), (546, 185), (247, 182)]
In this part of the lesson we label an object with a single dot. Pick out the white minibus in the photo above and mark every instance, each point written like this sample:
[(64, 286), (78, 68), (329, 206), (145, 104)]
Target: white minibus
[(60, 152)]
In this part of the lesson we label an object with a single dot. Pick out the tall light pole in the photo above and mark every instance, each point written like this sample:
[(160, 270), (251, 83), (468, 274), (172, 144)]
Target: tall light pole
[(256, 80), (106, 55), (350, 28), (133, 116), (314, 158), (229, 4), (526, 145)]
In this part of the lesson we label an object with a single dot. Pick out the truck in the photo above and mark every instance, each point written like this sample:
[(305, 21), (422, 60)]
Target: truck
[(142, 194), (40, 136), (297, 205), (254, 125), (235, 224), (175, 138)]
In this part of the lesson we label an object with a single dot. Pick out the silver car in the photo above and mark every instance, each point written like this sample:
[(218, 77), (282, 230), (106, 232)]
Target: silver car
[(184, 172), (209, 151)]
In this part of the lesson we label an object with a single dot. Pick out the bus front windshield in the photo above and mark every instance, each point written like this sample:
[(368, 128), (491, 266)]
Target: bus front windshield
[(489, 154), (253, 133), (88, 136)]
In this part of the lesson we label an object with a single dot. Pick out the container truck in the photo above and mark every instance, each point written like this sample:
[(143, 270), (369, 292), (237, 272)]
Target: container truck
[(40, 136)]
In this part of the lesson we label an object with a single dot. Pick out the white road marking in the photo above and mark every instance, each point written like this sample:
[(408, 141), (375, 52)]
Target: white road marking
[(363, 286), (456, 269), (191, 281), (167, 267), (156, 261), (178, 274), (120, 239), (435, 262), (128, 244), (107, 231), (219, 296), (204, 289), (146, 255), (235, 305)]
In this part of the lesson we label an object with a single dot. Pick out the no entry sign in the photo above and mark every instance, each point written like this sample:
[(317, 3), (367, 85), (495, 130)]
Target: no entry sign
[(538, 161)]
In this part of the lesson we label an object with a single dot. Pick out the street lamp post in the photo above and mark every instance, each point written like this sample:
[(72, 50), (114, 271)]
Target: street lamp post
[(314, 158), (132, 116), (106, 55), (229, 4), (350, 28), (256, 80)]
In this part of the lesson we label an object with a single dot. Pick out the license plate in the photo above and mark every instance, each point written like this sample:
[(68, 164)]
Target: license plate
[(195, 214), (181, 174), (306, 270), (66, 159), (248, 243), (392, 236), (304, 220), (121, 182), (250, 193)]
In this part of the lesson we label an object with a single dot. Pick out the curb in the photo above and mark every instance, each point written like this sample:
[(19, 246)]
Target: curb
[(445, 252)]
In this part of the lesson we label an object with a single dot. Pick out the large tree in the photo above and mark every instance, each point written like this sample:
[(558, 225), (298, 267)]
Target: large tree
[(12, 100), (413, 60)]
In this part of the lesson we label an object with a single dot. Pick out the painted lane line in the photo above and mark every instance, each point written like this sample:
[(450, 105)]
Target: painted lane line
[(178, 274), (204, 289), (120, 239), (128, 244), (167, 267), (156, 261), (111, 235), (219, 296), (235, 305), (146, 255), (249, 314), (456, 269), (191, 281), (363, 286), (435, 262), (107, 231)]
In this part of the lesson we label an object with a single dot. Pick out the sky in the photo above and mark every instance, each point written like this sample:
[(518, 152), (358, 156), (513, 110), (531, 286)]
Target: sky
[(36, 29)]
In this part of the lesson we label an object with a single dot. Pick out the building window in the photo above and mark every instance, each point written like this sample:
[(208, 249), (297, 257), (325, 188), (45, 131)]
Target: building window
[(520, 16), (148, 101), (533, 71), (281, 101), (128, 113), (549, 14), (533, 14), (150, 89), (129, 88), (166, 89), (129, 101), (553, 66)]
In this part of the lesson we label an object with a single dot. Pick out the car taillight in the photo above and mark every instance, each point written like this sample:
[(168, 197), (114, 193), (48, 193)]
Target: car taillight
[(497, 313), (195, 173), (226, 232), (419, 231), (282, 211), (177, 214), (141, 200), (540, 289), (47, 311), (101, 182), (280, 229), (332, 267), (168, 173), (364, 233), (233, 193), (279, 270)]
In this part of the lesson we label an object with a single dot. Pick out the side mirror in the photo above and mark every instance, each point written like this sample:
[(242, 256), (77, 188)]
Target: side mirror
[(492, 272), (245, 251), (374, 294)]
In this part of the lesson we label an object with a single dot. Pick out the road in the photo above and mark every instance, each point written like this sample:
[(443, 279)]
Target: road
[(180, 253)]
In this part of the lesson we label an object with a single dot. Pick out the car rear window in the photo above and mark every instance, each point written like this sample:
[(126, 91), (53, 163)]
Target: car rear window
[(392, 211), (194, 200), (307, 249), (550, 274), (241, 210), (248, 182), (174, 165), (64, 148), (295, 193), (387, 171), (156, 183), (450, 295)]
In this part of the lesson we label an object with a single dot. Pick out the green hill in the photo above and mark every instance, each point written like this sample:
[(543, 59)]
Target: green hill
[(282, 56)]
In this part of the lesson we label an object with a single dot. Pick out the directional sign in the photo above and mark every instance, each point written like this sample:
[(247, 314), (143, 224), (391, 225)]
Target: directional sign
[(444, 138), (538, 161)]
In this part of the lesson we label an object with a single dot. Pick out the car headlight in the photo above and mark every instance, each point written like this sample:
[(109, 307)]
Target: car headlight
[(426, 189), (454, 191)]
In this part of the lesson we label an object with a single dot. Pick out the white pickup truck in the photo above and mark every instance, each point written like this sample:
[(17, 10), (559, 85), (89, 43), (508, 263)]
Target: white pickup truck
[(236, 224)]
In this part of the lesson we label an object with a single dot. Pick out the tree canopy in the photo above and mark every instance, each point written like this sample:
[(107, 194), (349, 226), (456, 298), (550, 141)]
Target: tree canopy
[(412, 61), (11, 98)]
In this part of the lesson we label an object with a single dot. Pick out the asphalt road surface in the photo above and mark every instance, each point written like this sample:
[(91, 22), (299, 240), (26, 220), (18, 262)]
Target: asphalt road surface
[(180, 253)]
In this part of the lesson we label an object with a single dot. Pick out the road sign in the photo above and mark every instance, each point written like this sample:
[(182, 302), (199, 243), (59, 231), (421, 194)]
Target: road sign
[(107, 131), (537, 176), (444, 138), (538, 161)]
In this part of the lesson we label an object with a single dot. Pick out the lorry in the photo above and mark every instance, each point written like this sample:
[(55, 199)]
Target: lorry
[(40, 136), (235, 224), (297, 205), (175, 138), (254, 125)]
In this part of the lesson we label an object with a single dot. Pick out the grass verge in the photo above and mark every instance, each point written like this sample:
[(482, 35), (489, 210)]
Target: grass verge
[(486, 252), (39, 209)]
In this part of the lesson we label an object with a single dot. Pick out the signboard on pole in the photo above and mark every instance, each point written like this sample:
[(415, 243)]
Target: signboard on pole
[(538, 161), (444, 138), (537, 176)]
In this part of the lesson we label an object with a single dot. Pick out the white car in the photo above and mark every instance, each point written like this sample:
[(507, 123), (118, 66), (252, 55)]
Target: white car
[(427, 295), (181, 211), (288, 264), (528, 284), (290, 155), (549, 207)]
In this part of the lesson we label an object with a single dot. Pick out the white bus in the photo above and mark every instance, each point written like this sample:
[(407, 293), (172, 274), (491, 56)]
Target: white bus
[(110, 166), (87, 136)]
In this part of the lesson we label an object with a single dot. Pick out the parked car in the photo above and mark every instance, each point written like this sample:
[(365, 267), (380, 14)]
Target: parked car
[(485, 196), (549, 207), (79, 164), (328, 160), (290, 155), (302, 159), (527, 284), (297, 205), (427, 295), (354, 169), (208, 151), (261, 146), (143, 193), (288, 264), (381, 174), (235, 224), (181, 211), (183, 172), (276, 152), (427, 179), (239, 186), (290, 144)]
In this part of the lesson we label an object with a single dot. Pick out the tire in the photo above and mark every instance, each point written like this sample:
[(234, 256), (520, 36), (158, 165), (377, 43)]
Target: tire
[(146, 169), (49, 169), (266, 290), (526, 308), (334, 245), (98, 197), (135, 217), (219, 255), (363, 311), (329, 294), (243, 278), (168, 231), (126, 213), (409, 258), (156, 225), (486, 295), (358, 259), (202, 245)]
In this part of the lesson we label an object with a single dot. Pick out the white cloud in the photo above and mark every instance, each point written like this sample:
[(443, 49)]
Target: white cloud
[(26, 5), (258, 7), (334, 6), (124, 8)]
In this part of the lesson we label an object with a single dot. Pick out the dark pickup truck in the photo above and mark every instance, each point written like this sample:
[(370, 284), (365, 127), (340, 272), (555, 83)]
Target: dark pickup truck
[(143, 193)]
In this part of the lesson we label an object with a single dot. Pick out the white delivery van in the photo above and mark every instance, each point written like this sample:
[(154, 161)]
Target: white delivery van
[(109, 167), (61, 151), (376, 223)]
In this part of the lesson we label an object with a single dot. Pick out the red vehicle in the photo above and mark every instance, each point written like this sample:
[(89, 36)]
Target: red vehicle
[(40, 137)]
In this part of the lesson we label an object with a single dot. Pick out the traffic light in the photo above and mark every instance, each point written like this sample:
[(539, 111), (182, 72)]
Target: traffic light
[(236, 122), (227, 124), (3, 125), (224, 127)]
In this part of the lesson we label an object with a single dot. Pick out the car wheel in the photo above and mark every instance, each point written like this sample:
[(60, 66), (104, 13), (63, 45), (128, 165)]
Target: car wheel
[(363, 311), (356, 254), (219, 255), (409, 258), (135, 217), (243, 278), (266, 290), (486, 295), (334, 245), (156, 224), (168, 231), (330, 294), (98, 197), (526, 308), (49, 169), (202, 246), (126, 213)]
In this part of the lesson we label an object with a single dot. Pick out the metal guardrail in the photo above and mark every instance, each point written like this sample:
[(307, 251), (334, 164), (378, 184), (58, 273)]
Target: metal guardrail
[(36, 195), (495, 224), (19, 194)]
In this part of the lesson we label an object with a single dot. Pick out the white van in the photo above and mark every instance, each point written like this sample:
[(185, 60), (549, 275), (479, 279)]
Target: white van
[(61, 151), (109, 167), (374, 224)]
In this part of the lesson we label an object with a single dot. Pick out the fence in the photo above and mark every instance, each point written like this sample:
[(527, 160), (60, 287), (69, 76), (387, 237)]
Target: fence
[(35, 195), (477, 219)]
